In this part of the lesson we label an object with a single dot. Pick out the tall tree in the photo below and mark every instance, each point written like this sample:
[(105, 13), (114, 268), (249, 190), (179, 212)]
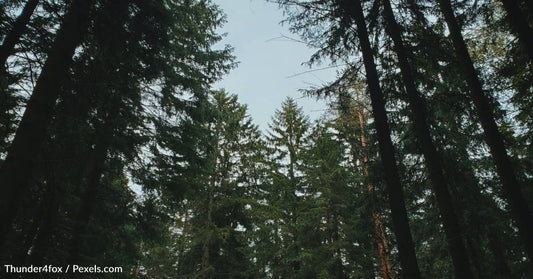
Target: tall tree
[(379, 229), (354, 11), (288, 138), (13, 36), (431, 156), (493, 137), (32, 129), (219, 209), (325, 208)]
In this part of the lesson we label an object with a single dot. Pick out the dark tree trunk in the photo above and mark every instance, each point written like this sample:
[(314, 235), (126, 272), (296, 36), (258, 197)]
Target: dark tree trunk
[(519, 26), (493, 137), (63, 147), (90, 197), (335, 236), (13, 37), (47, 224), (6, 49), (400, 220), (497, 251), (31, 133), (432, 158)]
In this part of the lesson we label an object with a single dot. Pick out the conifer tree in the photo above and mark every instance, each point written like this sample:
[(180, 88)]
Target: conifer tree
[(493, 137), (32, 129)]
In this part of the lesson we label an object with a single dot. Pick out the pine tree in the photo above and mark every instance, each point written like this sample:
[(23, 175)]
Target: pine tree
[(218, 211), (287, 140), (493, 137), (431, 156)]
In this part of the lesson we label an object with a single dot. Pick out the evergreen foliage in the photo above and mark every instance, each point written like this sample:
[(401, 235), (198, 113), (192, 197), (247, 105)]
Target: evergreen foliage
[(115, 150)]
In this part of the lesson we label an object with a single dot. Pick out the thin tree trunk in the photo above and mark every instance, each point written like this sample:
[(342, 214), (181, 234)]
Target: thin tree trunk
[(432, 158), (379, 230), (31, 133), (338, 268), (206, 265), (137, 270), (518, 205), (400, 220), (519, 26), (182, 245)]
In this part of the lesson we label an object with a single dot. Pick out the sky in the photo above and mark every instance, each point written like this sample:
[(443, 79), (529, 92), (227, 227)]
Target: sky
[(270, 68)]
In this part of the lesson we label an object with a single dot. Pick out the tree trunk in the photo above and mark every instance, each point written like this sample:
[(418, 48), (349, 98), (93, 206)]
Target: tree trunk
[(6, 49), (400, 220), (47, 224), (337, 265), (519, 26), (206, 271), (20, 161), (501, 267), (379, 230), (493, 137), (13, 37), (76, 110), (432, 158), (89, 199)]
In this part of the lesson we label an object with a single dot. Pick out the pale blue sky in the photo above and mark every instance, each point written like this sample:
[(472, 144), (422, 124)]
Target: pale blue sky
[(263, 78)]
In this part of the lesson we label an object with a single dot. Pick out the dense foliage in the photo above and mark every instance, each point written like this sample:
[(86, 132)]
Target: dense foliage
[(115, 151)]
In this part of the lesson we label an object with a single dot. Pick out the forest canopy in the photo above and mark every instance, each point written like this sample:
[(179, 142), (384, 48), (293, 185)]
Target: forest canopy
[(117, 151)]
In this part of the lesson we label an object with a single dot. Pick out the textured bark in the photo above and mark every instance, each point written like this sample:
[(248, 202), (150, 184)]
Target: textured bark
[(432, 158), (493, 137), (519, 25), (386, 149), (20, 161)]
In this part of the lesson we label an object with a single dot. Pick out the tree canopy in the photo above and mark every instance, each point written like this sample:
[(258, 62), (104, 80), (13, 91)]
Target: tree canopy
[(117, 151)]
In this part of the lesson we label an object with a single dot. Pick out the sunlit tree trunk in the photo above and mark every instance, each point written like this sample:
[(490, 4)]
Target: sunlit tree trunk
[(386, 149), (379, 229)]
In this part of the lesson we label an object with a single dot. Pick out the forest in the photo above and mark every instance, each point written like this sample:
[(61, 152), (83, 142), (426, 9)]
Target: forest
[(117, 151)]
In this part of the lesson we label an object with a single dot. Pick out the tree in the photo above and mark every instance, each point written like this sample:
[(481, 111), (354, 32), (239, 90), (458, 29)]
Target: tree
[(219, 210), (13, 36), (520, 26), (395, 191), (32, 129), (431, 156), (287, 140), (493, 137)]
